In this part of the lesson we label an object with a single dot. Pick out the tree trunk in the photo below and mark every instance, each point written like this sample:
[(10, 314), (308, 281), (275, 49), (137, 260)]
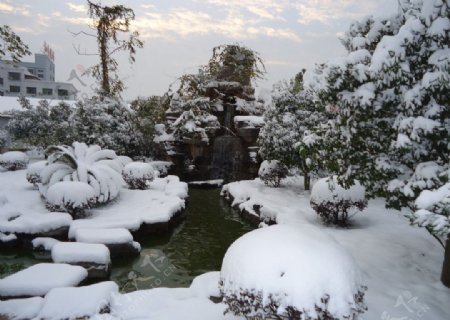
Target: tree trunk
[(103, 39), (306, 181), (445, 277)]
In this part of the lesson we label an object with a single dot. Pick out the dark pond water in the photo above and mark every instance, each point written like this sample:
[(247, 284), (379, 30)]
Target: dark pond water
[(194, 247)]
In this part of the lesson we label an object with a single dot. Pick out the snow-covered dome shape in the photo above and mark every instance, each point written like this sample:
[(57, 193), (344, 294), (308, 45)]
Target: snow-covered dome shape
[(333, 203), (328, 189), (291, 270), (14, 160), (137, 174), (34, 170), (272, 171), (70, 196)]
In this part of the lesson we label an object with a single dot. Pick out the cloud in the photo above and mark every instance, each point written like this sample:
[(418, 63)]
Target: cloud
[(6, 7), (80, 8), (21, 10), (182, 22), (264, 9), (328, 11)]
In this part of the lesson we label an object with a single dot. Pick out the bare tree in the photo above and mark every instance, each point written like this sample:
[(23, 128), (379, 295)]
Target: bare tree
[(109, 22)]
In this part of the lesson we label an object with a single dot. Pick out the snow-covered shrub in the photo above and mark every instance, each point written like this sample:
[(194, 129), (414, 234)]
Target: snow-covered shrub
[(272, 171), (333, 203), (124, 160), (82, 163), (138, 174), (34, 172), (70, 196), (287, 272), (13, 160)]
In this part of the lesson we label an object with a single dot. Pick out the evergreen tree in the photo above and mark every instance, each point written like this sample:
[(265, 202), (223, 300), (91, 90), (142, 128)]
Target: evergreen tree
[(290, 124), (11, 44), (390, 96)]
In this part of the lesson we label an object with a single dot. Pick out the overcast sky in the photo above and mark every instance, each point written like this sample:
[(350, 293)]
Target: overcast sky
[(179, 35)]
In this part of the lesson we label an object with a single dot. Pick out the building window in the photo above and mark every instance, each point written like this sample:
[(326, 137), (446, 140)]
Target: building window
[(31, 90), (14, 76), (31, 71), (14, 89), (1, 94), (63, 92), (47, 91), (40, 75), (1, 81)]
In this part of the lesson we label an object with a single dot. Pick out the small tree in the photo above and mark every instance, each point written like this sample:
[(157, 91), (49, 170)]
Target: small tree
[(290, 121), (11, 43), (109, 23)]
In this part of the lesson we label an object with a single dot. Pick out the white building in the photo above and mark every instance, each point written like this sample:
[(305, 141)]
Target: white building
[(34, 79)]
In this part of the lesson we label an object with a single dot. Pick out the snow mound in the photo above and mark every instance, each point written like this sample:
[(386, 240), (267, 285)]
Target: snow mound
[(20, 308), (70, 195), (308, 266), (105, 236), (44, 243), (77, 303), (327, 189), (14, 160), (74, 252), (35, 223), (206, 285), (34, 170), (39, 279), (138, 174), (272, 171)]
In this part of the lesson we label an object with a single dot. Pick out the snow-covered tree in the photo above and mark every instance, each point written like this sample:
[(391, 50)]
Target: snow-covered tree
[(390, 96), (289, 131), (41, 125), (105, 121)]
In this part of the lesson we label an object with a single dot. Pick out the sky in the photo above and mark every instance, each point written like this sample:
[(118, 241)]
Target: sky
[(179, 35)]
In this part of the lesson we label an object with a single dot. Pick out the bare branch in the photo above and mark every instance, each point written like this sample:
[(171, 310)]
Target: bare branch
[(75, 34), (77, 50)]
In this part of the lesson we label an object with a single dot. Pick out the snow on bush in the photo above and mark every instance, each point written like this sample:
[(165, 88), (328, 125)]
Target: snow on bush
[(333, 203), (138, 175), (83, 163), (272, 171), (70, 196), (13, 160), (308, 276), (34, 172)]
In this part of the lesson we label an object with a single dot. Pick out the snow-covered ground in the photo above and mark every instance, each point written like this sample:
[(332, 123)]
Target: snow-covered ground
[(401, 264), (22, 209)]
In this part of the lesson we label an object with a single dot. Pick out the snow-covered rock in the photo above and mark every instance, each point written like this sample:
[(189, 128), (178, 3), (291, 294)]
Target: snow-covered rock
[(92, 256), (35, 223), (14, 160), (309, 270), (44, 243), (138, 174), (118, 240), (77, 303), (74, 252), (20, 309), (40, 278)]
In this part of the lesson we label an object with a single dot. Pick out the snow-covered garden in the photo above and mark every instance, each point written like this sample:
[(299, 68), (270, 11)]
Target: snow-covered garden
[(349, 204)]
